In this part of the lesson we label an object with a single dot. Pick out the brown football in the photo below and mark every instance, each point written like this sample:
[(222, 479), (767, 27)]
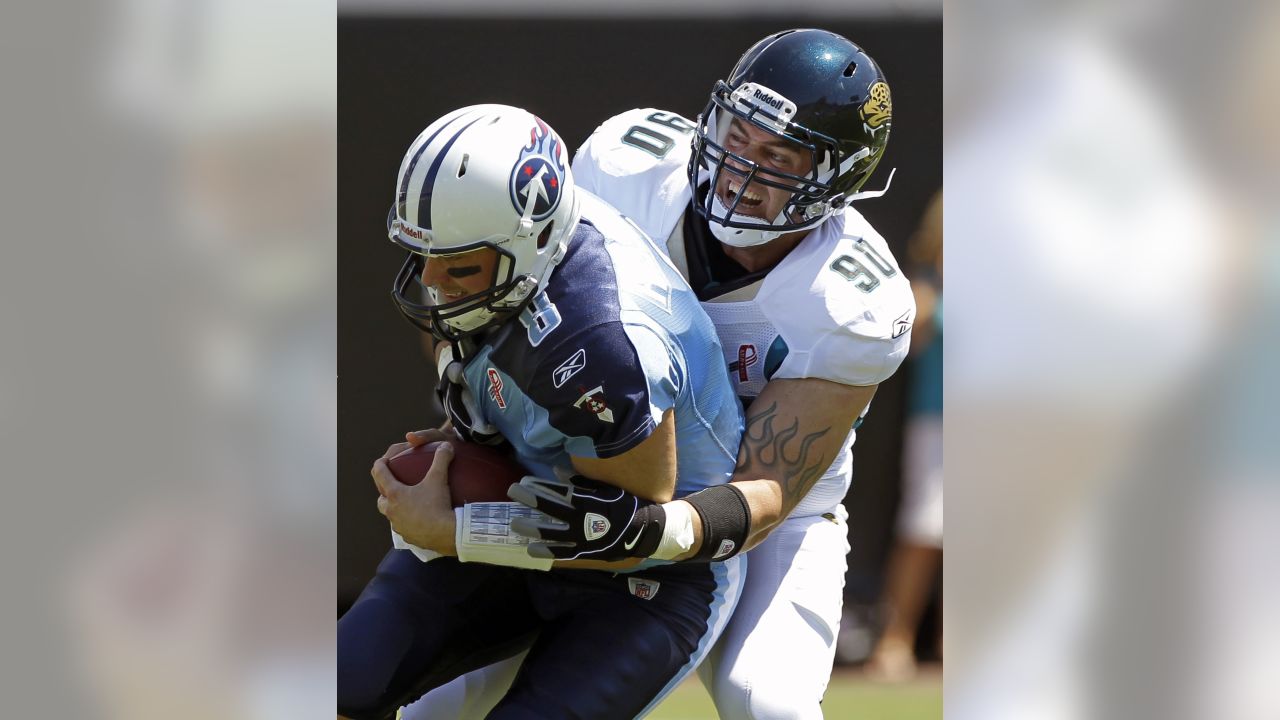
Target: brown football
[(478, 473)]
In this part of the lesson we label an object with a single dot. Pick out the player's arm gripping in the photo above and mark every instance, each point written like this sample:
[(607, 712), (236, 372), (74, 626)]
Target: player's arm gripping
[(793, 434), (794, 431), (617, 493)]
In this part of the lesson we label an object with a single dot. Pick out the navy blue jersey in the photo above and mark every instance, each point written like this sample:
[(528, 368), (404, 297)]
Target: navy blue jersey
[(615, 340)]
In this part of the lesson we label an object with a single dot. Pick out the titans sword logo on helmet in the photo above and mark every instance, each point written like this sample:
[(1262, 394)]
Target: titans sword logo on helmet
[(538, 174)]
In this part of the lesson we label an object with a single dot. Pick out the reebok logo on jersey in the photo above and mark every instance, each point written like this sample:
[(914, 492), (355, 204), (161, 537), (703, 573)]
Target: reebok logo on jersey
[(902, 324), (595, 526), (726, 547), (569, 368), (495, 389), (593, 402), (643, 589)]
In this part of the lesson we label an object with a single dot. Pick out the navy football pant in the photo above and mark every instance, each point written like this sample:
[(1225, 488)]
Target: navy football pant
[(598, 650)]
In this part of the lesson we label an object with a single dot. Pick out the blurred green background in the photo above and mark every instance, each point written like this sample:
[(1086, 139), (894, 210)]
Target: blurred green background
[(849, 697)]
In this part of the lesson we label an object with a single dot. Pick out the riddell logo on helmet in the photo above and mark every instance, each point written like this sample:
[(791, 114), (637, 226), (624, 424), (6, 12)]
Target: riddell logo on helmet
[(767, 98), (409, 230)]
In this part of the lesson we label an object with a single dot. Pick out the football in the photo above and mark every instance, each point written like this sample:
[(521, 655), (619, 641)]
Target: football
[(478, 473)]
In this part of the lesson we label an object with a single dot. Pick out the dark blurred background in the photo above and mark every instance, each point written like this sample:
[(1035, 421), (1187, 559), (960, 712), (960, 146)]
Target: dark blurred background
[(398, 73)]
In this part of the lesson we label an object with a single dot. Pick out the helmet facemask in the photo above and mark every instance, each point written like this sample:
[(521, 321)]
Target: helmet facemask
[(505, 295), (835, 171)]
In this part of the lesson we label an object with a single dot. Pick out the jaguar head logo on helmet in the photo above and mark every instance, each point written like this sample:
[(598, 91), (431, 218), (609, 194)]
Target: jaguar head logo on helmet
[(485, 206), (790, 137), (877, 111)]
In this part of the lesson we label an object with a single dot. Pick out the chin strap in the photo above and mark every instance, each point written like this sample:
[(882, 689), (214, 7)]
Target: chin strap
[(457, 402), (867, 194)]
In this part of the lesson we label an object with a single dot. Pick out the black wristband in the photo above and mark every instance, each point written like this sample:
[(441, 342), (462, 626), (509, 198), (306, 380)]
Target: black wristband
[(726, 521), (652, 522)]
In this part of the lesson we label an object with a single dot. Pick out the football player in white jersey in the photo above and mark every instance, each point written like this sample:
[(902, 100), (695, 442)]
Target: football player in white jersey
[(812, 312), (752, 203)]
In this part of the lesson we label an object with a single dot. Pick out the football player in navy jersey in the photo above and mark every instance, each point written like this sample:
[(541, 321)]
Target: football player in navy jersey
[(752, 202), (573, 339)]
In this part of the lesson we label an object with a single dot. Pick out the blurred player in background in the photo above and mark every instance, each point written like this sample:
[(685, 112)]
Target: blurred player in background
[(207, 540), (752, 205), (1093, 307), (917, 554), (573, 339)]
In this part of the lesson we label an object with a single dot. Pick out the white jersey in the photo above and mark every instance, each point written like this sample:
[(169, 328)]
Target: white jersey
[(837, 307)]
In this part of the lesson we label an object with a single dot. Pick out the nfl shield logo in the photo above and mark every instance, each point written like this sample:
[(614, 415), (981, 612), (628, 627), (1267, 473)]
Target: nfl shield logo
[(596, 526), (643, 589), (726, 547)]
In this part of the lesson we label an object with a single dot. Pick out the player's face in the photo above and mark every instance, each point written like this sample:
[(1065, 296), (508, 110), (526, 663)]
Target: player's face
[(460, 275), (768, 151)]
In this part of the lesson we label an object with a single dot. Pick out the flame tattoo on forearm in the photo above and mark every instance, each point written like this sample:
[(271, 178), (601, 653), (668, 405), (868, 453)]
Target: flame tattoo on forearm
[(781, 454)]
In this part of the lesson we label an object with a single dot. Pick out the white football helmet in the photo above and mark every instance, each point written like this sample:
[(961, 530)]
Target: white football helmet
[(484, 176)]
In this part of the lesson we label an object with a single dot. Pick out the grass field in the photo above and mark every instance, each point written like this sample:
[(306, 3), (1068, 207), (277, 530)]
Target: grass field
[(850, 697)]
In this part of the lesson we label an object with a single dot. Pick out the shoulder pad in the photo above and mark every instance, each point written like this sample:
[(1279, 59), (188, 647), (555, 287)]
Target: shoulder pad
[(637, 162), (842, 305), (605, 388), (638, 141)]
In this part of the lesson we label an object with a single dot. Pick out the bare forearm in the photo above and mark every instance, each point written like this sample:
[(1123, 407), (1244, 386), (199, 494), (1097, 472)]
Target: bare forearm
[(767, 508), (796, 429), (785, 450)]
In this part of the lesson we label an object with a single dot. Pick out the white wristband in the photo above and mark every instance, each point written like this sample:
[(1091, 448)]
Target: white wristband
[(422, 554), (677, 535), (484, 535)]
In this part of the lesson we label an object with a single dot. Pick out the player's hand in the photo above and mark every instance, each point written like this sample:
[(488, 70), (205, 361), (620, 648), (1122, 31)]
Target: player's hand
[(422, 514), (591, 520), (418, 438)]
